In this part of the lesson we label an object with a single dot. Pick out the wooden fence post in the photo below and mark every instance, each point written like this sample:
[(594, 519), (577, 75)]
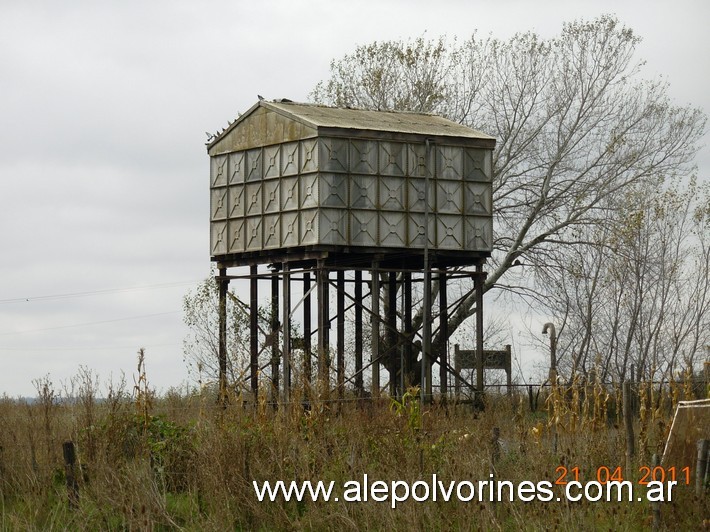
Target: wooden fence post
[(701, 466), (70, 472), (656, 506), (629, 426)]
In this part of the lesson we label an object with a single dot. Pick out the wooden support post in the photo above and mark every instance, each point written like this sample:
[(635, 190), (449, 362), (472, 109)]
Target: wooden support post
[(340, 331), (457, 370), (408, 333), (223, 284), (254, 329), (275, 356), (426, 336), (508, 370), (286, 324), (307, 350), (70, 474), (391, 334), (629, 427), (478, 286), (656, 506), (443, 336), (701, 466), (375, 308), (323, 329), (358, 333)]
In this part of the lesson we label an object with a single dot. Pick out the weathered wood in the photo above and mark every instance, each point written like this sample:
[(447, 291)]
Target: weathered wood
[(322, 280), (629, 427), (478, 286), (254, 330), (443, 336), (656, 506), (286, 333), (70, 474), (275, 355), (375, 315), (307, 349), (391, 335), (408, 333), (358, 333), (223, 284), (701, 466), (340, 325)]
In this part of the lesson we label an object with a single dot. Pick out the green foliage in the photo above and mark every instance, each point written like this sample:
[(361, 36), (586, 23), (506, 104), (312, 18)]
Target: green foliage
[(409, 407)]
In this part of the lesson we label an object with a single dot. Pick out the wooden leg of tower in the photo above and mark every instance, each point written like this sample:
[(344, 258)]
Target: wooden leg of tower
[(375, 310), (358, 333)]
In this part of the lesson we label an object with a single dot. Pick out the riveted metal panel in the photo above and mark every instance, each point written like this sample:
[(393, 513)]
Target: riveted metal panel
[(449, 232), (363, 192), (363, 228), (393, 229), (253, 167), (272, 231), (416, 194), (272, 199), (235, 243), (333, 190), (253, 199), (363, 156), (449, 196), (289, 159), (416, 160), (333, 227), (308, 191), (308, 155), (253, 234), (218, 238), (333, 155), (393, 158), (309, 227), (478, 198), (347, 187), (272, 161), (478, 233), (218, 170), (289, 193), (218, 203), (235, 200), (236, 167), (477, 164), (449, 162), (416, 230), (290, 236), (393, 193)]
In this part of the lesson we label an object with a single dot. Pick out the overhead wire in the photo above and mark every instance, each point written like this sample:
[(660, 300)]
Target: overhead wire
[(88, 293)]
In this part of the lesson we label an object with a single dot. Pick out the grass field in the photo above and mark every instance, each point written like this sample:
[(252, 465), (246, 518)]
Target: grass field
[(181, 462)]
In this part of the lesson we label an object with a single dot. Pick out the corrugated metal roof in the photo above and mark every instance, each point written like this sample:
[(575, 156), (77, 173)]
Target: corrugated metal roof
[(320, 116), (323, 117)]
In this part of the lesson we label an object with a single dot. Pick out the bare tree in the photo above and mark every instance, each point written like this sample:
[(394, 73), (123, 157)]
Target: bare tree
[(201, 345), (641, 295), (578, 129)]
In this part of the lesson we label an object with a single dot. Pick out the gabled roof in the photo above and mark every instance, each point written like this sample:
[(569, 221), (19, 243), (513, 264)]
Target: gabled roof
[(320, 117)]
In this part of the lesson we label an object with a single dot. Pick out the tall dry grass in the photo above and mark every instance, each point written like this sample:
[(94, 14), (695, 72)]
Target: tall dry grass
[(181, 462)]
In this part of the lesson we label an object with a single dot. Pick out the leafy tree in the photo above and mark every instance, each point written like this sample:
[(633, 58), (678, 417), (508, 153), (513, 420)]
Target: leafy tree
[(201, 346), (579, 132)]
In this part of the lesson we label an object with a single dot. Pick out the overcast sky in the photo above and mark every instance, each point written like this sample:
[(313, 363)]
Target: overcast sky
[(103, 169)]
